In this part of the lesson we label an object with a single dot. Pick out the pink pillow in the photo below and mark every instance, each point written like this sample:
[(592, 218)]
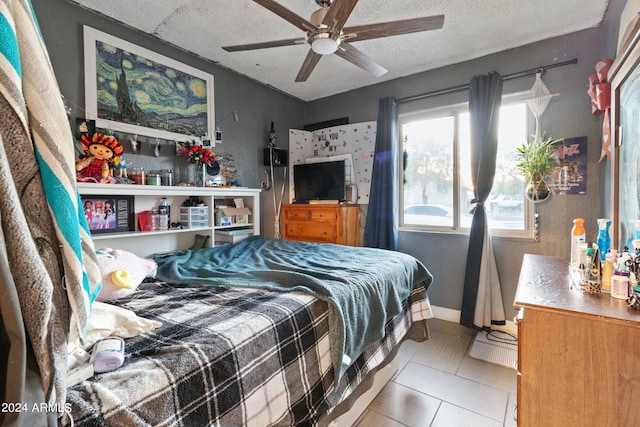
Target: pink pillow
[(122, 272)]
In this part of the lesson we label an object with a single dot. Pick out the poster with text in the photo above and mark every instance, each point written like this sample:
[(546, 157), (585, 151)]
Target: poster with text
[(569, 176)]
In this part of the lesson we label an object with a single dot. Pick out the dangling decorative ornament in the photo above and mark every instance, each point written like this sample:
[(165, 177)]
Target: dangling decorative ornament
[(537, 101), (600, 93)]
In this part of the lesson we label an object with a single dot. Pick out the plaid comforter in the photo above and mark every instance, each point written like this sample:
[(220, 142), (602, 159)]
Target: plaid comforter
[(242, 357)]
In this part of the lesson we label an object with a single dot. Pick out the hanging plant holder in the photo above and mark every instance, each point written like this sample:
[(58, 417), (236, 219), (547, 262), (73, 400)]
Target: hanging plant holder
[(537, 191), (535, 158), (537, 100)]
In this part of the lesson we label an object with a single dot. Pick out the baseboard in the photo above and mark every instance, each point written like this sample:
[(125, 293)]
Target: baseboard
[(451, 315), (447, 314)]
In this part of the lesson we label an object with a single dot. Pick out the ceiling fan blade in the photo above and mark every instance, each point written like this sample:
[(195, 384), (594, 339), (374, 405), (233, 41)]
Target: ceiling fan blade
[(308, 65), (264, 45), (359, 59), (338, 13), (286, 14), (392, 28)]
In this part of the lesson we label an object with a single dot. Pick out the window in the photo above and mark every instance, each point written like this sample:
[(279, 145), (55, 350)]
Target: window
[(436, 159)]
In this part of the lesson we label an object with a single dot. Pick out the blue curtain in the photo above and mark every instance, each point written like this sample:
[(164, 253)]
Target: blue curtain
[(381, 229), (482, 304)]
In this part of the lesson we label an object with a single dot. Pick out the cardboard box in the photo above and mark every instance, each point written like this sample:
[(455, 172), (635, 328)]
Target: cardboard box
[(232, 216)]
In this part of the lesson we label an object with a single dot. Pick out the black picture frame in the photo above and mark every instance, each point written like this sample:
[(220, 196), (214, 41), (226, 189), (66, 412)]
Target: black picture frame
[(84, 126), (109, 214)]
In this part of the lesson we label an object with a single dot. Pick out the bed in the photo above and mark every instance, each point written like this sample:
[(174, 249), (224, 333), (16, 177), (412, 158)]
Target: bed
[(231, 345), (264, 332)]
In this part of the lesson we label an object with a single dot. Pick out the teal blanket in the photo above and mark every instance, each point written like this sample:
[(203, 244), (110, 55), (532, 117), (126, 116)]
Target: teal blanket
[(364, 287)]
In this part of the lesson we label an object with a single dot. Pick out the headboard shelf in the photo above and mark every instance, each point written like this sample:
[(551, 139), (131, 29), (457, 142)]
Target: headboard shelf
[(146, 197)]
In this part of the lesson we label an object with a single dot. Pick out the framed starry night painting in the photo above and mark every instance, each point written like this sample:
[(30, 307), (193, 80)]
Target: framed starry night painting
[(134, 90)]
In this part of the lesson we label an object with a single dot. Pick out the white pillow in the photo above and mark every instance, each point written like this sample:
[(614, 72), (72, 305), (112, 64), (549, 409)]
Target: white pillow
[(106, 320)]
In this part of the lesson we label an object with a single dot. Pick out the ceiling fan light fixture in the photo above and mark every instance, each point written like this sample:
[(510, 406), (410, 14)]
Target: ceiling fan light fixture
[(324, 43)]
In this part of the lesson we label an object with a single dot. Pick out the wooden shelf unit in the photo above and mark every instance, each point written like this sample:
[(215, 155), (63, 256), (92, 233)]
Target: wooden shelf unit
[(578, 354), (322, 223), (146, 197)]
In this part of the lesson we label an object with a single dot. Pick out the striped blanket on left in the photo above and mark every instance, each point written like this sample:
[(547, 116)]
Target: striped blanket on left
[(38, 157)]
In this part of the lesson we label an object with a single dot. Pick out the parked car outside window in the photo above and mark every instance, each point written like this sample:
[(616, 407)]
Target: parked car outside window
[(507, 202), (427, 214)]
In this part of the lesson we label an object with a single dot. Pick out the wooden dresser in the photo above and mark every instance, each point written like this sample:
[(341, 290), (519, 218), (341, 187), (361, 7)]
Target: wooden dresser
[(322, 223), (578, 354)]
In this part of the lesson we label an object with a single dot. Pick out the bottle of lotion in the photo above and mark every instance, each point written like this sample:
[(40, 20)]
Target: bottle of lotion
[(578, 238), (607, 270)]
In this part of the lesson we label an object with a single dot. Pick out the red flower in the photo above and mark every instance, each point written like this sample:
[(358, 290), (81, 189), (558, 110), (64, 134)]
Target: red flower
[(197, 154)]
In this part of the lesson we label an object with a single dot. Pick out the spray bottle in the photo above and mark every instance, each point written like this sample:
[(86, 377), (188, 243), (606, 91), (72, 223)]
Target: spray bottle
[(635, 270), (604, 241), (578, 238)]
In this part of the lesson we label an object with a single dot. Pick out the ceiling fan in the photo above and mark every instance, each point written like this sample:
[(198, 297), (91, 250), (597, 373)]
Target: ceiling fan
[(326, 34)]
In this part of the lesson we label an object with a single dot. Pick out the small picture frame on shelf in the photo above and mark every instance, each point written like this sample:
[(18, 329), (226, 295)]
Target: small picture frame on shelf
[(84, 127), (109, 214)]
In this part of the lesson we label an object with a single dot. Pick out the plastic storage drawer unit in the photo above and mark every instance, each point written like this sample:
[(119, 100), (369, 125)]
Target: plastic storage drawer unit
[(193, 217)]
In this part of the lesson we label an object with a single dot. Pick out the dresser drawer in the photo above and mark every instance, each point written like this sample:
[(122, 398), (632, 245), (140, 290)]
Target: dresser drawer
[(311, 231), (311, 214)]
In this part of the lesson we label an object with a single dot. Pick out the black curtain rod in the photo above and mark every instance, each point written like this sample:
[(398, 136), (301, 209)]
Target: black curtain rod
[(511, 76)]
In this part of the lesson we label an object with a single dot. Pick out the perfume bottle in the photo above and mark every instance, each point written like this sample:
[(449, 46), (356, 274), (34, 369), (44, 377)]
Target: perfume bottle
[(604, 240)]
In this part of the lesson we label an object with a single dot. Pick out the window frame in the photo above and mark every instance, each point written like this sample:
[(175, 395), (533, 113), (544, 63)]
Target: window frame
[(456, 110)]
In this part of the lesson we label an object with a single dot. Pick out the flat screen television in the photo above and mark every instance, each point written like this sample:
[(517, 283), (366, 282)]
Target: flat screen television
[(319, 181)]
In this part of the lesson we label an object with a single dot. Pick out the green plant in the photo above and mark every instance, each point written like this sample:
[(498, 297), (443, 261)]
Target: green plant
[(535, 158)]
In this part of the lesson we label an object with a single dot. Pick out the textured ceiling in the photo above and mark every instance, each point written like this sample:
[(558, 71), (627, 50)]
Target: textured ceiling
[(472, 28)]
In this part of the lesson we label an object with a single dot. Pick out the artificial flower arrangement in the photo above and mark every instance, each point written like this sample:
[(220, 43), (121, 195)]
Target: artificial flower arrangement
[(198, 154), (201, 157)]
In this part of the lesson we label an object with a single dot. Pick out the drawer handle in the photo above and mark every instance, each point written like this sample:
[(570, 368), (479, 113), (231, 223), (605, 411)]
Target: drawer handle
[(515, 367), (515, 412)]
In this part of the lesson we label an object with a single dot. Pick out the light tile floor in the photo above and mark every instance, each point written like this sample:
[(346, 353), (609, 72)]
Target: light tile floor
[(439, 385)]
